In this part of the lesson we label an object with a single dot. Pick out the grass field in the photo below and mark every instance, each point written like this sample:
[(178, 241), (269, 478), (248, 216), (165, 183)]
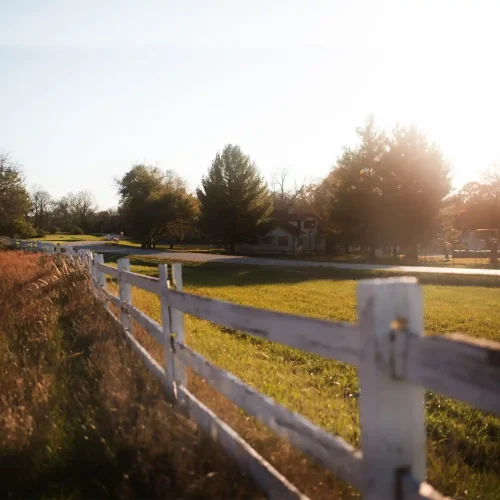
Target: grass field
[(178, 247), (463, 444), (80, 417), (66, 238)]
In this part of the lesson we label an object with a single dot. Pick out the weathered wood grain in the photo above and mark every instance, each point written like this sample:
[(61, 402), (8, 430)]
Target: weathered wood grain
[(108, 270), (456, 366), (144, 282), (391, 410), (340, 341)]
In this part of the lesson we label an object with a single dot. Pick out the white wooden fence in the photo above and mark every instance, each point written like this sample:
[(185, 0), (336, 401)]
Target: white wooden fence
[(394, 358)]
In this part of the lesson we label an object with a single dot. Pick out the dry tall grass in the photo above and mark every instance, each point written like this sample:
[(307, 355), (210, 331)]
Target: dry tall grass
[(79, 415)]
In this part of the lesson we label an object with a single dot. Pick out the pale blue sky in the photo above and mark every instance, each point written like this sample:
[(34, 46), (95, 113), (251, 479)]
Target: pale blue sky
[(87, 88)]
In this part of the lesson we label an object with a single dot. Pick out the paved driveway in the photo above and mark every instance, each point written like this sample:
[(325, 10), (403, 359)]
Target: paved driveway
[(98, 247)]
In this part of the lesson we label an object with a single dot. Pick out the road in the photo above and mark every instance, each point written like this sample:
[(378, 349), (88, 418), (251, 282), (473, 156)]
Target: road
[(98, 247)]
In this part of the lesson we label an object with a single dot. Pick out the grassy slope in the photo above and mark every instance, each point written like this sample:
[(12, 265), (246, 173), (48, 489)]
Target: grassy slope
[(464, 447), (80, 417)]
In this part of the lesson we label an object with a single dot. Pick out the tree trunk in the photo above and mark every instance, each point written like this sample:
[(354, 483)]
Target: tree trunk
[(171, 245), (233, 247), (347, 249), (373, 255), (395, 253), (446, 253)]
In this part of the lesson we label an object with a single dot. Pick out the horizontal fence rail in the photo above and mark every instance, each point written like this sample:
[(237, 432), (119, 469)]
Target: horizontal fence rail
[(395, 361)]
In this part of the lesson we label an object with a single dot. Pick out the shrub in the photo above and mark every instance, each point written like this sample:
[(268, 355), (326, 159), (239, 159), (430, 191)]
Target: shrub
[(41, 233), (77, 230)]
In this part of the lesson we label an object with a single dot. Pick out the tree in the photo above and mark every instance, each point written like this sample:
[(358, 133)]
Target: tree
[(354, 190), (15, 202), (415, 182), (154, 204), (479, 208), (386, 192), (284, 192), (81, 209), (42, 205), (235, 202)]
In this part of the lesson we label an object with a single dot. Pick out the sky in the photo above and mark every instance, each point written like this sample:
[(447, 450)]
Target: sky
[(89, 88)]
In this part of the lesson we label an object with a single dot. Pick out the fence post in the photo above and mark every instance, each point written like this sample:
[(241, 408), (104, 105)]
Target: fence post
[(167, 335), (100, 276), (125, 294), (391, 410), (177, 326)]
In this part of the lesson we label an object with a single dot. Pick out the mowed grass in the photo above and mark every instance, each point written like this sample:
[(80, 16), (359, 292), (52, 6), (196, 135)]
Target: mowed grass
[(463, 444), (178, 247), (65, 238)]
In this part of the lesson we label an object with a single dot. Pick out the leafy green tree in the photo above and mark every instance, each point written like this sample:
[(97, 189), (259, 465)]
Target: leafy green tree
[(15, 203), (415, 182), (478, 207), (235, 202), (386, 192), (352, 193), (155, 205)]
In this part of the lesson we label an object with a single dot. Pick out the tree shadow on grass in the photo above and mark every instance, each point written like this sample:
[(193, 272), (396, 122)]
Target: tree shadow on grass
[(214, 274)]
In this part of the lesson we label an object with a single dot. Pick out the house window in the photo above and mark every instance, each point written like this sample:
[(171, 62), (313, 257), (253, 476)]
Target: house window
[(283, 241), (267, 240), (309, 224)]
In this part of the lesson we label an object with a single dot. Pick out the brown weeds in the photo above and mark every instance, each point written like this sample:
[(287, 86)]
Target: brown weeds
[(79, 415)]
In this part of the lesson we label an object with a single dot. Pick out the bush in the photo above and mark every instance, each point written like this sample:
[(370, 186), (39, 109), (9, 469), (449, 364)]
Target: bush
[(41, 233), (24, 229), (77, 230), (54, 230)]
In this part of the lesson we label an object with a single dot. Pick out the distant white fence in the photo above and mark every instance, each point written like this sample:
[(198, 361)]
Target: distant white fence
[(394, 358)]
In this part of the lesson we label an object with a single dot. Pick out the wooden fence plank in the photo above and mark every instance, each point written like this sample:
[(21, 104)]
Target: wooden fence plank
[(340, 341), (150, 325), (332, 452), (391, 410), (269, 479), (112, 298), (456, 366), (167, 336), (125, 294), (140, 281), (110, 271), (151, 364), (177, 324), (100, 276)]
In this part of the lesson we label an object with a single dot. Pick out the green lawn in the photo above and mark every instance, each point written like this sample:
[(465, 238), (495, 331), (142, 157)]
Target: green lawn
[(178, 247), (464, 444), (65, 238)]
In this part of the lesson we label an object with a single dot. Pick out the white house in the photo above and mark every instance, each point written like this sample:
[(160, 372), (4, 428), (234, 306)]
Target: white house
[(294, 230)]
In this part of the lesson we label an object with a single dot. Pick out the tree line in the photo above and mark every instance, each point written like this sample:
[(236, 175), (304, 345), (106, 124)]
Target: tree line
[(390, 191)]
